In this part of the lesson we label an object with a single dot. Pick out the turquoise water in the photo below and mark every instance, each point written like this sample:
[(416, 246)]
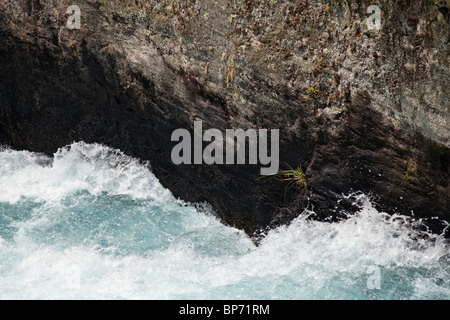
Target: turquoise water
[(92, 223)]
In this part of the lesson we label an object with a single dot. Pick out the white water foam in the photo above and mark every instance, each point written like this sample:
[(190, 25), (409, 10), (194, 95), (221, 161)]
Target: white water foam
[(80, 166), (93, 223)]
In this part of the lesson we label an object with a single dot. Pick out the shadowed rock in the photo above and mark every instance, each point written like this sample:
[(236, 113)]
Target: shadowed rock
[(378, 124)]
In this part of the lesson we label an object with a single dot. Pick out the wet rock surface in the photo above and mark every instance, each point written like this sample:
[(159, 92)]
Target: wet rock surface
[(132, 74)]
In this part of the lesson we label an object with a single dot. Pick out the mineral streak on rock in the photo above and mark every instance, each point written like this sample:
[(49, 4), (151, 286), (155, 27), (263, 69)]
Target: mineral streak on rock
[(378, 121)]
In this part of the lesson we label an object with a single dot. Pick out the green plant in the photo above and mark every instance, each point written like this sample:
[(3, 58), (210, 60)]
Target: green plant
[(343, 110), (313, 93), (295, 177), (230, 71)]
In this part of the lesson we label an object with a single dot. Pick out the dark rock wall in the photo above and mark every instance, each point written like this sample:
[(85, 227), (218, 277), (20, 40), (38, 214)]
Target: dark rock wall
[(134, 73)]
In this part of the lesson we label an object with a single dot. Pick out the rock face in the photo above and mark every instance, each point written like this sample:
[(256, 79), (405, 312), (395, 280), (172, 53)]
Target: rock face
[(358, 109)]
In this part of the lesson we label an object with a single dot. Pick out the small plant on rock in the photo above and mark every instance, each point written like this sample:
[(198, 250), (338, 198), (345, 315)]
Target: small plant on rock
[(295, 177), (313, 93)]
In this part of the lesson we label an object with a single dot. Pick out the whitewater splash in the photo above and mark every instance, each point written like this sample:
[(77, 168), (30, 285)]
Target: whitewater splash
[(92, 223)]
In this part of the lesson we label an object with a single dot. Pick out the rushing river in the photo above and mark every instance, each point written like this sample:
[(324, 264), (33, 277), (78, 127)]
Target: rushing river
[(93, 223)]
